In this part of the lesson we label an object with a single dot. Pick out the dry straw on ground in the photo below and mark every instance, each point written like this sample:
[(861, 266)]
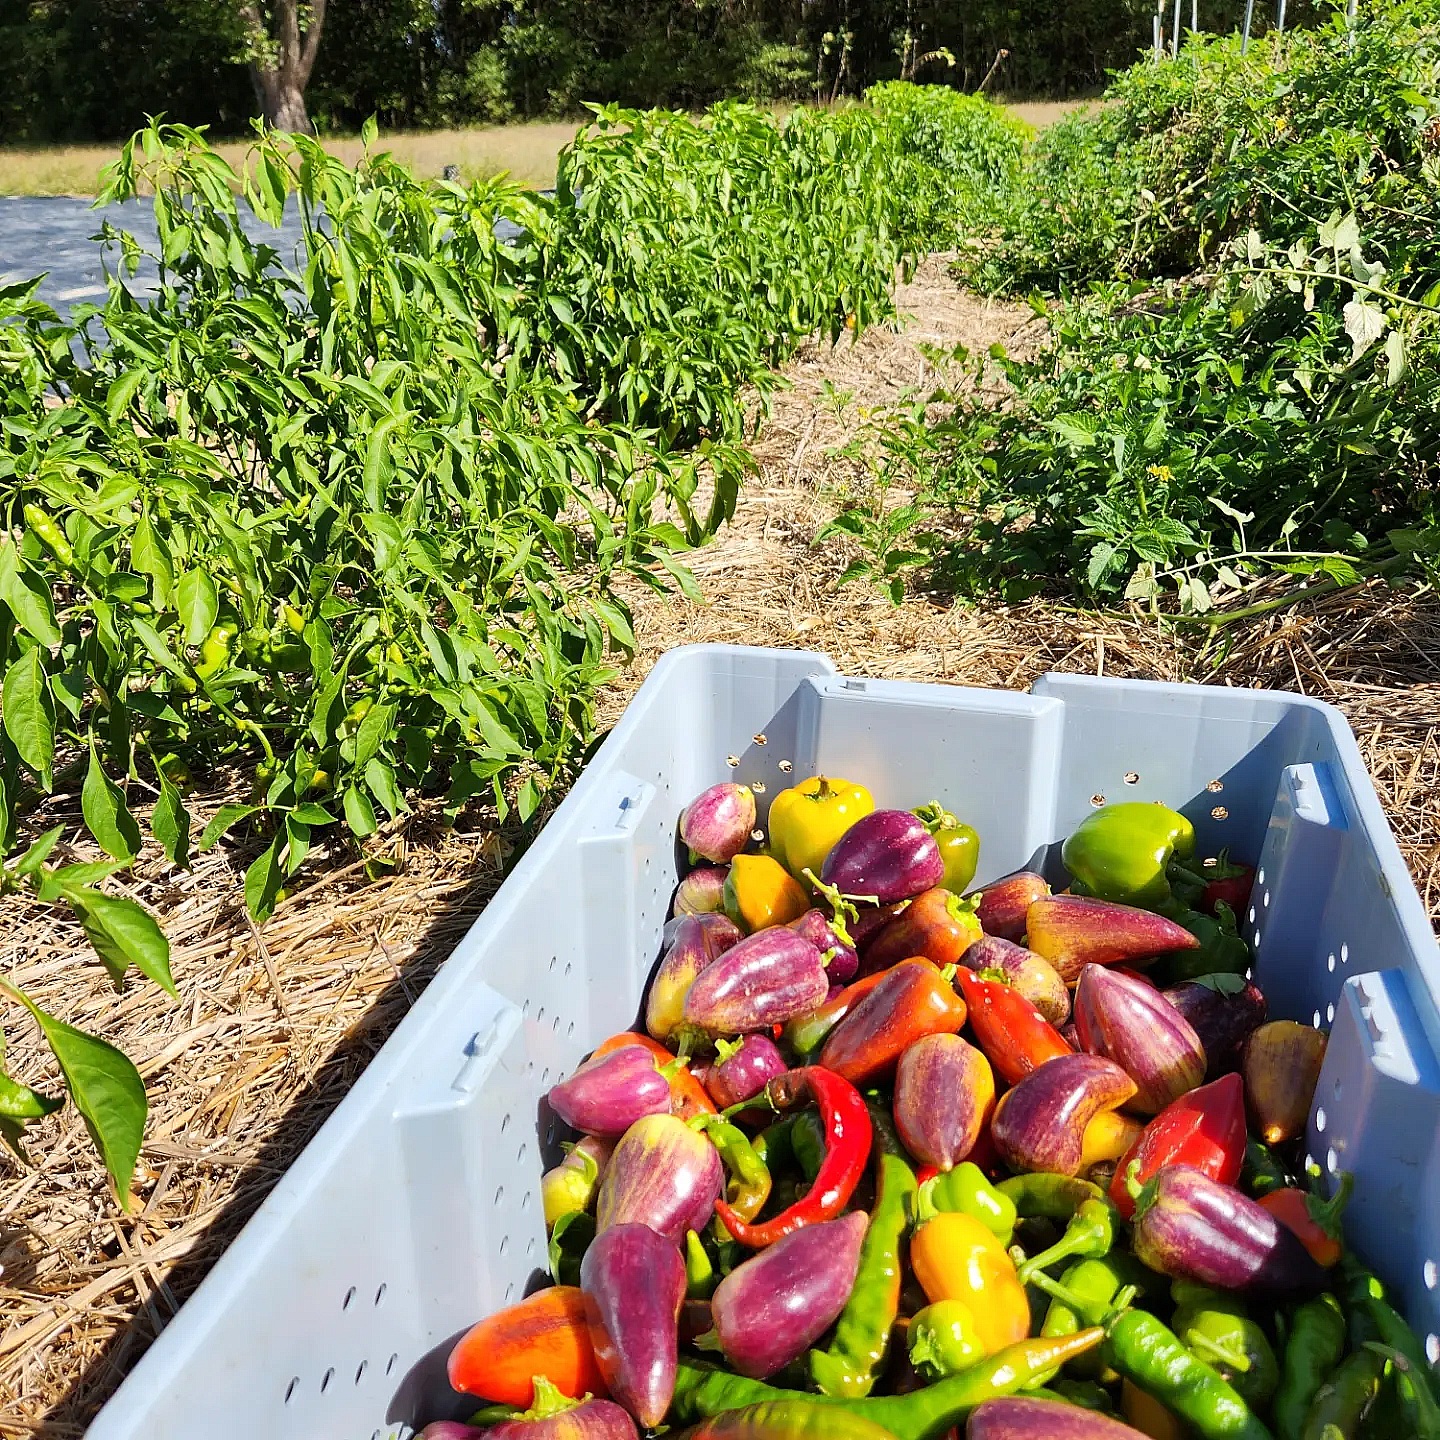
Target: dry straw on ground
[(274, 1025)]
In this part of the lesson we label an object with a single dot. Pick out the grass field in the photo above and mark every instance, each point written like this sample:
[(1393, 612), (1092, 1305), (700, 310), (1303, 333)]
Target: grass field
[(526, 151)]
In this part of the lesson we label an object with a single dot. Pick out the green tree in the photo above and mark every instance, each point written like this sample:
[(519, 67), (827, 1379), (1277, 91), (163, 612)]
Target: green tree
[(282, 40)]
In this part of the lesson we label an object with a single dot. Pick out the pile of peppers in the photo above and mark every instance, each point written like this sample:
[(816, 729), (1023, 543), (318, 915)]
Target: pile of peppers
[(890, 1157)]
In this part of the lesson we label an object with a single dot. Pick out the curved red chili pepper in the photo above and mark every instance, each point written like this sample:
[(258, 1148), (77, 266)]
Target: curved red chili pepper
[(846, 1122)]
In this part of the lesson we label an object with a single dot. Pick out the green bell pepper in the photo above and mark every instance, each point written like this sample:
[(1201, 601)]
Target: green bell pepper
[(966, 1190), (1215, 1327), (1121, 852)]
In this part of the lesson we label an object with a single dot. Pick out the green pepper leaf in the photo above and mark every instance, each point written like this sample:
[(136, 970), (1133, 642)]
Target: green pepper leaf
[(199, 604), (106, 813), (123, 934), (264, 878), (170, 823), (28, 602), (28, 715), (221, 821)]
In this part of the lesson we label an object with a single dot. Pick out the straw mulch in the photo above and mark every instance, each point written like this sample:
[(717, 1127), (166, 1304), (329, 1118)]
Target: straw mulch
[(273, 1025)]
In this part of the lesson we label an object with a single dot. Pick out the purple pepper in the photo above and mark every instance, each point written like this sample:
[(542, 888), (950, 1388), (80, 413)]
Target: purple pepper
[(885, 856), (816, 927), (1190, 1227), (607, 1095), (696, 942), (716, 824), (662, 1174), (767, 979), (1222, 1020), (702, 891), (771, 1309), (594, 1420), (633, 1281), (743, 1070), (1032, 975), (1024, 1417)]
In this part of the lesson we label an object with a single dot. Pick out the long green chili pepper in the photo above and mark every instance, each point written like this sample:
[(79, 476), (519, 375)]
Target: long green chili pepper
[(1055, 1197), (1150, 1355), (1097, 1281), (1089, 1235), (1316, 1343), (1372, 1317), (750, 1174), (862, 1335), (1421, 1409), (924, 1414), (47, 529), (1339, 1405), (700, 1277)]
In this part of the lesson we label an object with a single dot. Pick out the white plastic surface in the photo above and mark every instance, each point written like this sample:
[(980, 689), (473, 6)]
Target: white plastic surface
[(416, 1208)]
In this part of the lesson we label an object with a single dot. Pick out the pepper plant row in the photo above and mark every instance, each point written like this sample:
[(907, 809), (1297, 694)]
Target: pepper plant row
[(892, 1159), (351, 520)]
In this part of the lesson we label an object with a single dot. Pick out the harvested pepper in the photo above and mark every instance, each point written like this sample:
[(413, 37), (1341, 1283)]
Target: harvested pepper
[(807, 819), (1374, 1319), (1214, 1326), (955, 1257), (1221, 951), (806, 1033), (1204, 1128), (1014, 1035), (1053, 1197), (1226, 883), (1149, 1354), (924, 1414), (1341, 1402), (1313, 1350), (760, 892), (966, 1190), (959, 846), (1097, 1281), (1421, 1409), (749, 1174), (1260, 1171), (943, 1340), (797, 1419), (1088, 1236), (1120, 852), (1315, 1222), (857, 1354), (913, 999), (847, 1146), (700, 1276)]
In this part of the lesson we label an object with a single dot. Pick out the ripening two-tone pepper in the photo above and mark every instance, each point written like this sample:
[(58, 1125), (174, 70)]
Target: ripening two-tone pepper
[(957, 1258)]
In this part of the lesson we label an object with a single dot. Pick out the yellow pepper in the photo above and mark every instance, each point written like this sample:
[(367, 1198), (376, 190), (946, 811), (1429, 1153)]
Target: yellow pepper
[(760, 893), (955, 1257), (1148, 1415), (807, 819), (1108, 1136)]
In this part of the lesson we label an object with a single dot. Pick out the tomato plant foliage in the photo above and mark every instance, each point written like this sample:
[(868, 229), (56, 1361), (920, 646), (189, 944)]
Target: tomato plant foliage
[(352, 519)]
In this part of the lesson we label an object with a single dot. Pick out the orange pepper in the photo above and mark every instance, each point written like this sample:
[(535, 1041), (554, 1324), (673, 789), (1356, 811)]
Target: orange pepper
[(955, 1257), (688, 1096), (760, 892), (545, 1334), (1108, 1137), (1148, 1415), (1295, 1210)]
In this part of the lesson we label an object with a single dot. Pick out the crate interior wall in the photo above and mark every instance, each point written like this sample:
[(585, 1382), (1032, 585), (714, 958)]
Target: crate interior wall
[(417, 1210)]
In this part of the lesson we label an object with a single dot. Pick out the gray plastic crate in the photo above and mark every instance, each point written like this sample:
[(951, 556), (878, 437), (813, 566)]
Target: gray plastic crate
[(416, 1209)]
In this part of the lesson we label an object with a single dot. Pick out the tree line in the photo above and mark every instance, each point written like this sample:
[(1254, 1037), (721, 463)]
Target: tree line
[(74, 70)]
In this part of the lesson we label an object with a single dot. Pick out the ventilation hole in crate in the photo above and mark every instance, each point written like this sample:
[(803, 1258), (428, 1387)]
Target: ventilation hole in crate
[(380, 1294), (569, 966), (1260, 876), (732, 761), (1208, 863), (1309, 1161), (1219, 813), (1335, 1091), (1251, 915), (500, 1196), (758, 786), (521, 1153), (1097, 799), (539, 1014), (360, 1371), (529, 1067), (525, 1200), (1315, 1019), (1215, 786), (390, 1363), (374, 1435), (758, 835), (759, 739), (1320, 1119), (786, 766), (545, 1077), (326, 1378), (1329, 1014), (349, 1296), (1264, 899), (1431, 1274), (509, 1292), (550, 1133), (1432, 1349), (525, 1008), (555, 1026), (291, 1388), (554, 961), (504, 1246), (1330, 962), (570, 1029), (530, 1248), (505, 1122), (1257, 935), (1132, 777), (1345, 953), (1332, 1161)]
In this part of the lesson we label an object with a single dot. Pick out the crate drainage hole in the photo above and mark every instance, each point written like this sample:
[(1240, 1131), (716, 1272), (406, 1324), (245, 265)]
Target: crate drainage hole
[(1215, 786), (1431, 1274), (1332, 1161), (349, 1296), (759, 739), (360, 1373), (1330, 962), (732, 761), (1345, 953), (1097, 799), (380, 1294), (390, 1363), (1432, 1348), (1320, 1119), (1132, 777), (786, 766), (290, 1389), (1219, 813), (326, 1378)]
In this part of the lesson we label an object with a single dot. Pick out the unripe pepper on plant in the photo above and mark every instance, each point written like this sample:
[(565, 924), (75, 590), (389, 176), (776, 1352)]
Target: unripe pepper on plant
[(48, 530), (807, 819)]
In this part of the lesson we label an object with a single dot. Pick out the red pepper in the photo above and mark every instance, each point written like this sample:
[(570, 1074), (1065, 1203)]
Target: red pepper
[(1204, 1128), (1227, 882), (1314, 1222), (846, 1122), (911, 1000), (1014, 1035)]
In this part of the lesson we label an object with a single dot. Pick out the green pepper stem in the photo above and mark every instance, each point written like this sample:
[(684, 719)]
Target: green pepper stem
[(1084, 1236)]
